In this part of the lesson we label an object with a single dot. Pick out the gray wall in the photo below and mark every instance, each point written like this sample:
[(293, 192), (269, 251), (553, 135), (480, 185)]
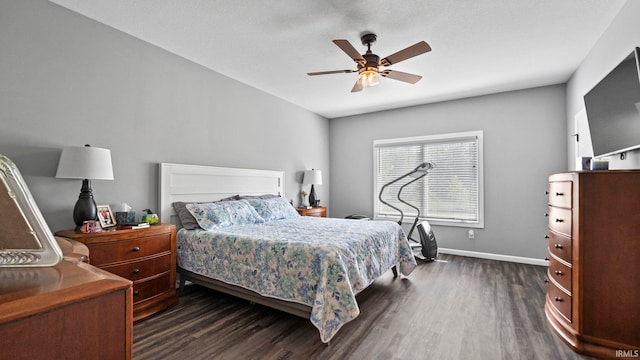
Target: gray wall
[(617, 42), (524, 142), (68, 80)]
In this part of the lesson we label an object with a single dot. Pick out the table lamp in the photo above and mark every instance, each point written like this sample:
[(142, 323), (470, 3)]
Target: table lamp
[(313, 177), (86, 163)]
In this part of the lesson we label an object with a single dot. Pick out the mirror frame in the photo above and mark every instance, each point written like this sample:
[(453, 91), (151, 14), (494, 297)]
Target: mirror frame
[(49, 253)]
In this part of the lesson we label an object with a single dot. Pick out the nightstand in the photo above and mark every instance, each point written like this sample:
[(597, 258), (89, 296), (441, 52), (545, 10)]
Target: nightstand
[(145, 256), (316, 211)]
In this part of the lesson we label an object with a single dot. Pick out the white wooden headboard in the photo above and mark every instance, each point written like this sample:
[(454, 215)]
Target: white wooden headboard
[(182, 182)]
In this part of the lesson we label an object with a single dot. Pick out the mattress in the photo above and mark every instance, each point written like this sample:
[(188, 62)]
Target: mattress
[(320, 262)]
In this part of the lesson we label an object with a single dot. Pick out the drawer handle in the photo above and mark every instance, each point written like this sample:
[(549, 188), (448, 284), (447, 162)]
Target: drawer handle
[(546, 259), (558, 299), (546, 281), (136, 249), (546, 214), (558, 246), (559, 194), (135, 271), (558, 272), (546, 236), (559, 220), (136, 292)]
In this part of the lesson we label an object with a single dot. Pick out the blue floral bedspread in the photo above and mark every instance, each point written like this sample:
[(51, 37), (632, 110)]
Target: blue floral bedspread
[(320, 262)]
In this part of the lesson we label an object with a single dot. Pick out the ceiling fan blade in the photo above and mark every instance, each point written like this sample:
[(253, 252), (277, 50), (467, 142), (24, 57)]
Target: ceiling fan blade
[(402, 76), (407, 53), (330, 72), (346, 46), (357, 87)]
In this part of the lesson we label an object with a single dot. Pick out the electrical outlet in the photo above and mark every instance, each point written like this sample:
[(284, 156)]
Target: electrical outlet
[(472, 235)]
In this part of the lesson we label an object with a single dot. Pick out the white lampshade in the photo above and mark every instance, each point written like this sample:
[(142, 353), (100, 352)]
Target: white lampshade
[(85, 162), (313, 177)]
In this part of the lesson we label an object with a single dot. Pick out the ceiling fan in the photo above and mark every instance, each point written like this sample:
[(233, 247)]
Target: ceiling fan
[(369, 64)]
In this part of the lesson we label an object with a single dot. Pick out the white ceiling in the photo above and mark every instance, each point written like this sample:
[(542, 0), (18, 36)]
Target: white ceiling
[(479, 46)]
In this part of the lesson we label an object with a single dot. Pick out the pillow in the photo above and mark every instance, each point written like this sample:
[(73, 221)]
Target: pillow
[(273, 208), (231, 198), (218, 215), (186, 219)]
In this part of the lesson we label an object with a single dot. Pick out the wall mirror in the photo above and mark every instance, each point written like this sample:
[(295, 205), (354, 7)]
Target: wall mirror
[(25, 237)]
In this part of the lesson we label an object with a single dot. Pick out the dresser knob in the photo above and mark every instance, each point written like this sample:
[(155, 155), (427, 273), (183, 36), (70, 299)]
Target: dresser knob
[(135, 249), (558, 272), (559, 220), (558, 299), (546, 193), (135, 271), (559, 194), (557, 246), (546, 236), (136, 292), (546, 214), (546, 281)]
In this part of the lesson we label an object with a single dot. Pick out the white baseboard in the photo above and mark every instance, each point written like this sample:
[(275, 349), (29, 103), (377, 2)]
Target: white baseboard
[(482, 255)]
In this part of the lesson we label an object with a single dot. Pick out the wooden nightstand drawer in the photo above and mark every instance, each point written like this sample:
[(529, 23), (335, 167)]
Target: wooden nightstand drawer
[(315, 212), (118, 251), (148, 288), (141, 269)]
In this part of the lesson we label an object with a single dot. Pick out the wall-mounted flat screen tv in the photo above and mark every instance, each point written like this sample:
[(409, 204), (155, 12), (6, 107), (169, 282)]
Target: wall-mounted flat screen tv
[(613, 109)]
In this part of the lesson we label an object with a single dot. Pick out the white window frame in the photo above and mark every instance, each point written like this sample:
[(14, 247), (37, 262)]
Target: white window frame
[(479, 135)]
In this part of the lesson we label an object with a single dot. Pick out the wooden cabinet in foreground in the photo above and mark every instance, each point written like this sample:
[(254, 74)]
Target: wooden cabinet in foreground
[(67, 311)]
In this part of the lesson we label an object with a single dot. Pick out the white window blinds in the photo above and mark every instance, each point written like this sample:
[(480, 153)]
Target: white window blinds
[(451, 193)]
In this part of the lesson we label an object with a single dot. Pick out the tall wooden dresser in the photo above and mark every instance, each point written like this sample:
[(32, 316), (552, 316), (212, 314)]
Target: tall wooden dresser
[(145, 256), (593, 299)]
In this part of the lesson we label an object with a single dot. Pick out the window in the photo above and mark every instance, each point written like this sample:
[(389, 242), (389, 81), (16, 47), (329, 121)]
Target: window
[(451, 194)]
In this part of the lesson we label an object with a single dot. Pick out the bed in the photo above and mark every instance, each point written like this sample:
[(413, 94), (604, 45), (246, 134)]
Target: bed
[(266, 253)]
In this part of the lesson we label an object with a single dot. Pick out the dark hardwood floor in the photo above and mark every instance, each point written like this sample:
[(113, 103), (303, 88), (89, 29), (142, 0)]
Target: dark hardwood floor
[(455, 308)]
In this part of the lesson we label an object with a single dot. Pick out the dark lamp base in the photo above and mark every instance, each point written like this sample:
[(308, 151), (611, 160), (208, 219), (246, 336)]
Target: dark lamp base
[(313, 199), (85, 208)]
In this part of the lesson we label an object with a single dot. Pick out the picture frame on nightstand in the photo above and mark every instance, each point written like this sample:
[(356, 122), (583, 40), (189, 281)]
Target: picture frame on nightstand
[(105, 216)]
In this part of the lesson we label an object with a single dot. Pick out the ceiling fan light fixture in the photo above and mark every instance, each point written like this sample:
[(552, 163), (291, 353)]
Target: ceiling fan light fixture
[(368, 64), (369, 76)]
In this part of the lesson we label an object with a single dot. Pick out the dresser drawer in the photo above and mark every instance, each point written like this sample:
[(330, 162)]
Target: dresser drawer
[(315, 214), (119, 251), (560, 273), (141, 269), (560, 220), (145, 289), (560, 194), (560, 300), (560, 246)]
